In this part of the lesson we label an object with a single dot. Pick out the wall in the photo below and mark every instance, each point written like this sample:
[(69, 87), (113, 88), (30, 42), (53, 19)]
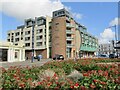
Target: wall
[(59, 36)]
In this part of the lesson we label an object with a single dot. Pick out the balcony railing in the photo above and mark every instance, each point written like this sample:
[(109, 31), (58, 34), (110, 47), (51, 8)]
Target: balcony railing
[(68, 19), (69, 38), (69, 25), (70, 45), (69, 32)]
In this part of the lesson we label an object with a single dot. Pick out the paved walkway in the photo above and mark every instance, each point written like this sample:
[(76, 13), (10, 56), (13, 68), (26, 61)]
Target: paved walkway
[(24, 63)]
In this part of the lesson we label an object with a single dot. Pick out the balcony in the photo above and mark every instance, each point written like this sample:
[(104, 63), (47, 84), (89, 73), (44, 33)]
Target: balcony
[(68, 19), (69, 25), (88, 48), (69, 38), (69, 32), (70, 45)]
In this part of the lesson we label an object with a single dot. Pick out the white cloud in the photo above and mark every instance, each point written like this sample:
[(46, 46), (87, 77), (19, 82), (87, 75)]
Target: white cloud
[(106, 36), (77, 15), (67, 8), (22, 9), (116, 21)]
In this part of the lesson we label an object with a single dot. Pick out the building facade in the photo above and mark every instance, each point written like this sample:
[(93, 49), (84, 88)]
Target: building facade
[(70, 38), (106, 49), (60, 34), (39, 38), (12, 53)]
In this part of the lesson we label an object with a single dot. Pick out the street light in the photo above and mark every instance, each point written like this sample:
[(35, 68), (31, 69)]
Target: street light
[(115, 26), (33, 42)]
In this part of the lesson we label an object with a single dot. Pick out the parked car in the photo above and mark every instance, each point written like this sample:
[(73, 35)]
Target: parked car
[(113, 56), (58, 57), (103, 56)]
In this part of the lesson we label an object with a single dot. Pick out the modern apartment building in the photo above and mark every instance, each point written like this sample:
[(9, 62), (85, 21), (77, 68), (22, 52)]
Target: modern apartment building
[(60, 34), (106, 49), (40, 35), (70, 38)]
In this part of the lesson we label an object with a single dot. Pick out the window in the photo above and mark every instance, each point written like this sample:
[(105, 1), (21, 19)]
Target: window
[(27, 32), (16, 54), (17, 33), (21, 33), (8, 40), (56, 23), (8, 34), (29, 23), (39, 31), (55, 14), (39, 44), (27, 44), (39, 37), (16, 39), (27, 38)]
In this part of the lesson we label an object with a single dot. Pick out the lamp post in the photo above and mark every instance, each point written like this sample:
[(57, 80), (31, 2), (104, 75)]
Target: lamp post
[(33, 42), (115, 26)]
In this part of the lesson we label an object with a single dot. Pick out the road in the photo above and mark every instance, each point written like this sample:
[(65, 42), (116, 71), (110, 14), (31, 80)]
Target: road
[(24, 63)]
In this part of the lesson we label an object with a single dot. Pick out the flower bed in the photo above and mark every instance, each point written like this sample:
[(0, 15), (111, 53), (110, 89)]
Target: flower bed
[(57, 75)]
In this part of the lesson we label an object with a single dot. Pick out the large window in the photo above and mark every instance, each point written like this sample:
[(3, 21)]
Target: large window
[(27, 32), (27, 44), (17, 33), (27, 38), (39, 31), (40, 21), (16, 39), (16, 54), (39, 44), (39, 37)]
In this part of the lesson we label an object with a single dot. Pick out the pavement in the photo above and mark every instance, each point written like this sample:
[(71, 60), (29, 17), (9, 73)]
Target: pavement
[(25, 63)]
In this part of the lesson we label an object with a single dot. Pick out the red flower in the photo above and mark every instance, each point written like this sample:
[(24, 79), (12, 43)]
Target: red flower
[(57, 82), (48, 78), (72, 87), (82, 88), (22, 85), (92, 86), (95, 80), (55, 75), (30, 79), (105, 73), (100, 71), (39, 83), (56, 78), (49, 83), (103, 83), (85, 74), (77, 84)]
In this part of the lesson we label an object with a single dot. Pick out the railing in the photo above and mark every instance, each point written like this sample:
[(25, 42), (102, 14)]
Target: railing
[(69, 31), (69, 38), (70, 45), (69, 25)]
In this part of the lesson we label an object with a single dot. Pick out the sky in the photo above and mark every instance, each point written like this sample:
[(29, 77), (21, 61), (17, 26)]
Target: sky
[(95, 16)]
